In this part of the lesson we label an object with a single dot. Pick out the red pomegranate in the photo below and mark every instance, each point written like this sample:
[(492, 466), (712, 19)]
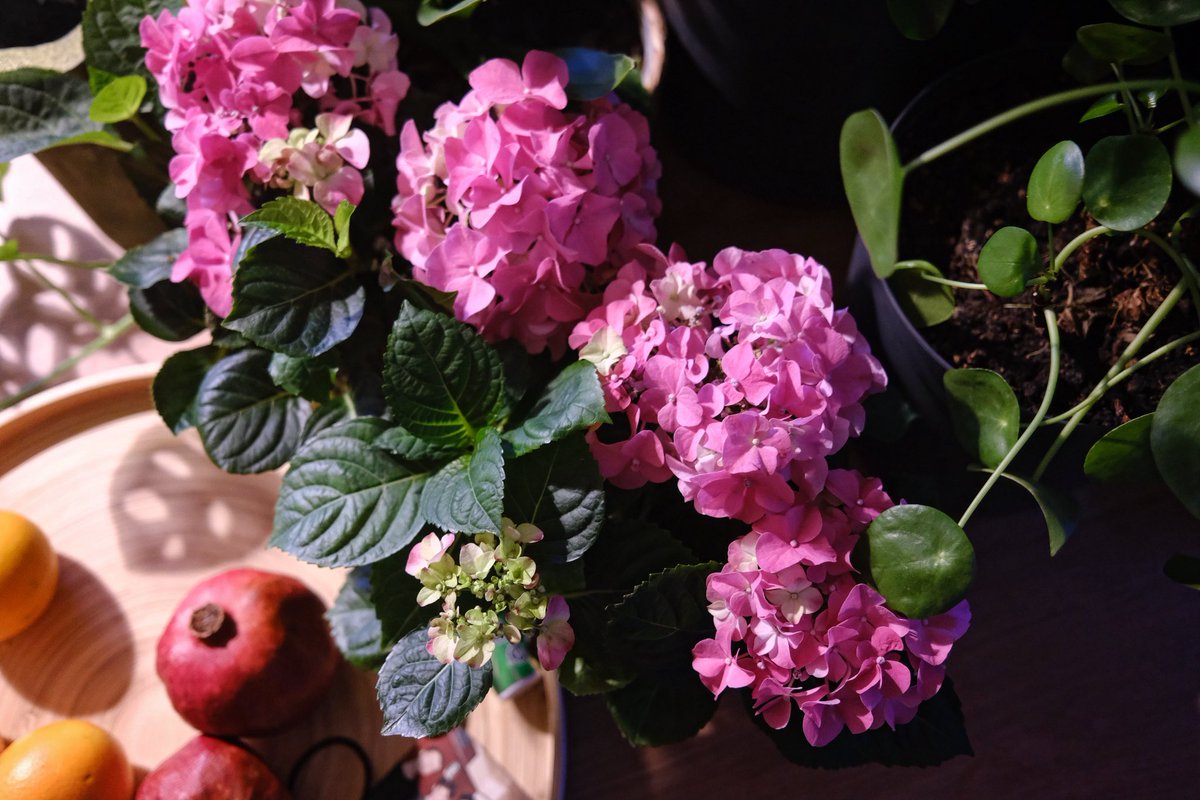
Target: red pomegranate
[(247, 653), (212, 769)]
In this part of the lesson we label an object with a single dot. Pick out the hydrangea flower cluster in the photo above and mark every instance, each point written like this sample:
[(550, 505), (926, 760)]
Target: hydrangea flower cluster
[(738, 379), (491, 590), (238, 79), (794, 625), (517, 204)]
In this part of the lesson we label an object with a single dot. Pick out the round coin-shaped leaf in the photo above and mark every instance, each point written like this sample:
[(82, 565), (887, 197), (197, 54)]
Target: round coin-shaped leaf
[(1175, 438), (1008, 261), (920, 560), (1158, 12), (1056, 183), (1187, 159), (1126, 180)]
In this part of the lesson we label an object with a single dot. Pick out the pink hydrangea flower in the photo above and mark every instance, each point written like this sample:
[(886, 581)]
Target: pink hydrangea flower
[(228, 73), (519, 205), (555, 635), (806, 637)]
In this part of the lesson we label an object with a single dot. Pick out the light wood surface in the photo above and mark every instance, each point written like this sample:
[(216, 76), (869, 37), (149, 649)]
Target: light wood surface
[(138, 516)]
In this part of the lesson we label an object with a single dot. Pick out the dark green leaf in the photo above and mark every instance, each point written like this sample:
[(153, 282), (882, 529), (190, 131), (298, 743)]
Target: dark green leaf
[(171, 311), (177, 385), (431, 11), (1187, 159), (325, 416), (920, 19), (661, 620), (394, 595), (144, 266), (1158, 12), (1102, 107), (573, 401), (302, 221), (592, 73), (352, 620), (112, 43), (1056, 183), (341, 227), (399, 442), (1175, 438), (246, 423), (294, 299), (467, 495), (40, 108), (662, 709), (873, 180), (420, 696), (1127, 180), (441, 379), (1123, 454), (937, 734), (98, 138), (889, 416), (985, 413), (920, 560), (630, 551), (924, 302), (252, 237), (558, 488), (1183, 569), (1008, 260), (172, 209), (593, 664), (1124, 44), (119, 100), (311, 378), (345, 502), (1059, 510), (1084, 67)]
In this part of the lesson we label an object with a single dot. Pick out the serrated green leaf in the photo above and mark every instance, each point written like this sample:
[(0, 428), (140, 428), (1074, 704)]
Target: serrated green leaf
[(1124, 44), (573, 401), (112, 43), (148, 264), (246, 423), (1158, 12), (293, 299), (345, 502), (399, 442), (171, 311), (630, 551), (920, 19), (1008, 260), (441, 379), (559, 489), (1175, 438), (593, 665), (874, 182), (326, 416), (177, 385), (1123, 454), (661, 620), (119, 100), (431, 11), (1058, 510), (1183, 569), (661, 709), (924, 302), (394, 595), (420, 696), (467, 495), (1056, 184), (40, 108), (1127, 180), (302, 221), (353, 623), (920, 560), (984, 411), (341, 227), (1102, 107), (1187, 159), (310, 378), (593, 74)]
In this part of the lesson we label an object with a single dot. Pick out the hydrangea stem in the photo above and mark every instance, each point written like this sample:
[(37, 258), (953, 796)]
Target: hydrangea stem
[(1130, 351), (1041, 104), (108, 334), (1047, 398)]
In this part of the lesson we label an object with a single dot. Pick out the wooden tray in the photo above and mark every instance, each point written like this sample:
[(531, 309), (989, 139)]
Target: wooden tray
[(138, 516)]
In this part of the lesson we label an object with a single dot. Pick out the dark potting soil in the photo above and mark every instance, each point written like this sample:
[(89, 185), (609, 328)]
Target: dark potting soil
[(1107, 290)]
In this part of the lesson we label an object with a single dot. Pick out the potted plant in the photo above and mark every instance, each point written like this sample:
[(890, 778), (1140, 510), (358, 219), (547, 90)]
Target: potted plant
[(1100, 228)]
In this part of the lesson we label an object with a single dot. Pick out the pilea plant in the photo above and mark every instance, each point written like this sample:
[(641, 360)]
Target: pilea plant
[(500, 405), (1118, 187)]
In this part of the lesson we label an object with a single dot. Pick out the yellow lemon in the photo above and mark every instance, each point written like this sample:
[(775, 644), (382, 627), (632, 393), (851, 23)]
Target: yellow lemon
[(28, 573), (67, 760)]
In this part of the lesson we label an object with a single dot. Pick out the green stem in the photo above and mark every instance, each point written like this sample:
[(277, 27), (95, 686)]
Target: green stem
[(79, 310), (108, 334), (1163, 129), (145, 129), (62, 262), (1052, 256), (1132, 113), (1184, 100), (949, 282), (1131, 350), (1033, 107), (1051, 385), (1079, 241)]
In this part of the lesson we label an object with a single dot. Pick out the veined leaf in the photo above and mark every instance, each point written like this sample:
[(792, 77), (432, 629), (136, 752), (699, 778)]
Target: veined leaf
[(558, 488), (420, 696), (573, 401), (40, 108), (467, 495), (920, 560)]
